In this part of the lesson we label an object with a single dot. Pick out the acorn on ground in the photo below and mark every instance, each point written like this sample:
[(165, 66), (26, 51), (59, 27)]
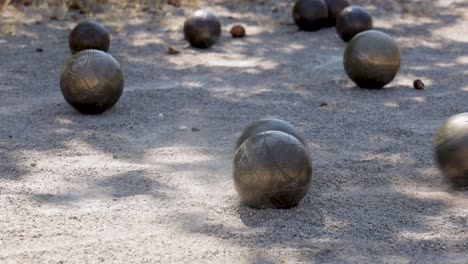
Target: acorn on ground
[(238, 31), (418, 84)]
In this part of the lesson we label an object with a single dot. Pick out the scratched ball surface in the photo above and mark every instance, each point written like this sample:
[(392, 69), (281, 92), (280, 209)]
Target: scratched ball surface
[(272, 169), (202, 29), (267, 124), (451, 149), (91, 81), (88, 35), (372, 59), (310, 15)]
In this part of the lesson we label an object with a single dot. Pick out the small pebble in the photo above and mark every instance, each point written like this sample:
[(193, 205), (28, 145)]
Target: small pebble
[(195, 129), (323, 104), (33, 164), (172, 51), (115, 156), (39, 50), (418, 84), (161, 115)]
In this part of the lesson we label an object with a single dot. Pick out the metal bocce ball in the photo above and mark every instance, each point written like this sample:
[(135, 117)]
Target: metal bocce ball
[(202, 29), (91, 81), (88, 35), (372, 59), (310, 15), (334, 9), (351, 21), (272, 169), (266, 124), (451, 150)]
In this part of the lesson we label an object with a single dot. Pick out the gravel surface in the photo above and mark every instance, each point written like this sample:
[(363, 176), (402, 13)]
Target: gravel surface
[(150, 181)]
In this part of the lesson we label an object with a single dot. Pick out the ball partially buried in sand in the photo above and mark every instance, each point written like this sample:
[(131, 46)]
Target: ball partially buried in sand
[(272, 169), (88, 35), (202, 29), (266, 124), (91, 81), (310, 15), (372, 59), (451, 150), (351, 21)]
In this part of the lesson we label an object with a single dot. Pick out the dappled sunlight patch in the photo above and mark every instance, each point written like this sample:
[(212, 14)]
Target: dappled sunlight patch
[(63, 121), (407, 80), (419, 99), (292, 48), (228, 61), (462, 59), (140, 39), (192, 84), (388, 158), (62, 131), (391, 104), (180, 155)]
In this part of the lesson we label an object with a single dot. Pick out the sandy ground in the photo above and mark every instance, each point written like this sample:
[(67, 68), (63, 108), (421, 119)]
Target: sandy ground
[(128, 187)]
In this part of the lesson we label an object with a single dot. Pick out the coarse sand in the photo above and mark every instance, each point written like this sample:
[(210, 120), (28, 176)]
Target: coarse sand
[(132, 186)]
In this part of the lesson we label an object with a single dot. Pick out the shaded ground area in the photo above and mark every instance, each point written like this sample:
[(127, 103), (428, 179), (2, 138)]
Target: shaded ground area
[(128, 186)]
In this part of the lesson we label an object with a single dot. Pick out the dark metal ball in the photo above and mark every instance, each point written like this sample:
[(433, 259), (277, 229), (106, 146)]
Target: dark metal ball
[(272, 169), (91, 81), (310, 15), (88, 35), (372, 59), (334, 9), (451, 150), (351, 21), (267, 124), (202, 29)]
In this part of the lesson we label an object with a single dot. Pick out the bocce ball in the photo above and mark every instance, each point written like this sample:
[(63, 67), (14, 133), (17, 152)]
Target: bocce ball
[(372, 59), (266, 124), (451, 150), (310, 15), (334, 9), (272, 169), (91, 81), (351, 21), (202, 29), (88, 35)]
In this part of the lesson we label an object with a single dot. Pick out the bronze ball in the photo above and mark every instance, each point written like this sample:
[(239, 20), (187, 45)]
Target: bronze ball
[(202, 29), (88, 35), (334, 9), (272, 169), (451, 150), (351, 21), (372, 59), (91, 81), (310, 15), (267, 124)]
